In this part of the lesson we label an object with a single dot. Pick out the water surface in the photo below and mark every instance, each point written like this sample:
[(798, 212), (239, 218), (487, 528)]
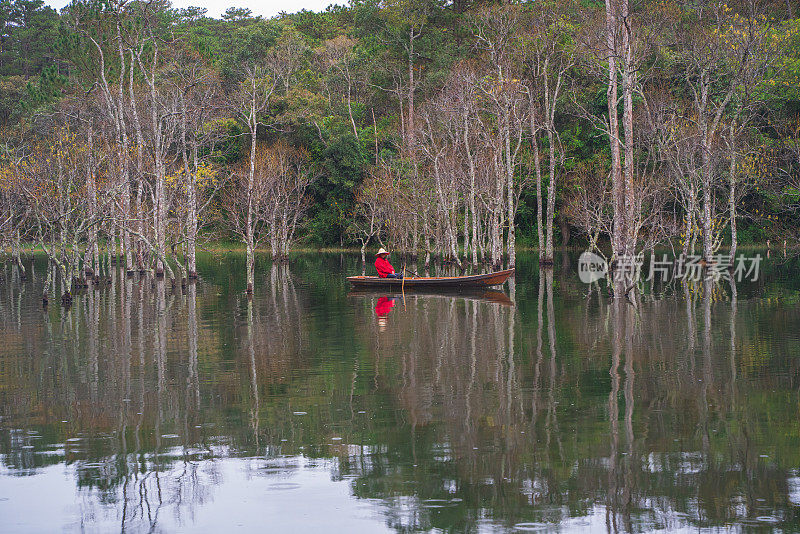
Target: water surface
[(147, 408)]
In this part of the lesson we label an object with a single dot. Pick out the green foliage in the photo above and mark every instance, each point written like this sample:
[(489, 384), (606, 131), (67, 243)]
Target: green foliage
[(46, 55), (782, 86), (229, 132), (27, 48), (46, 89), (343, 161), (30, 30)]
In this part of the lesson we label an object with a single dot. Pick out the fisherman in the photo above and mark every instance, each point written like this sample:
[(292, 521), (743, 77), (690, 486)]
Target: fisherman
[(382, 265)]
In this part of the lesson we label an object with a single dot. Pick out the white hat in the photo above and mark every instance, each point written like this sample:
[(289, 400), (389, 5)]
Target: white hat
[(381, 251)]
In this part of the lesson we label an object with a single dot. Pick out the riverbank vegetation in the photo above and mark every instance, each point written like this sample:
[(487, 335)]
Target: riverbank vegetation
[(445, 129)]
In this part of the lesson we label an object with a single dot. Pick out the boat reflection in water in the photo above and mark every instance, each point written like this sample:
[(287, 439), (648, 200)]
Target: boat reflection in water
[(148, 408), (386, 301), (382, 309)]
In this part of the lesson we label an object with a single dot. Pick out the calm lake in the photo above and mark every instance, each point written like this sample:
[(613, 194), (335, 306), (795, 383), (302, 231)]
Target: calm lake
[(144, 408)]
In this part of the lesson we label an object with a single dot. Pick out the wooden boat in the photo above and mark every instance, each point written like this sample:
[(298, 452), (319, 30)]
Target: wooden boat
[(477, 280), (469, 293)]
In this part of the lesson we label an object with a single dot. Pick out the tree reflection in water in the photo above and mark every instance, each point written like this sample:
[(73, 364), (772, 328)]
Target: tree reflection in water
[(459, 413)]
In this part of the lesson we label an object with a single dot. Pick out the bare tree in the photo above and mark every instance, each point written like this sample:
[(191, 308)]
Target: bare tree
[(149, 61), (284, 179), (724, 53), (496, 33), (337, 57), (549, 55), (367, 216), (196, 92), (53, 180), (438, 141), (250, 101), (14, 208)]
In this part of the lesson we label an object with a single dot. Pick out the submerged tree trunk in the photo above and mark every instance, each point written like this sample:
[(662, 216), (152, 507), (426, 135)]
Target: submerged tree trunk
[(249, 230), (191, 231), (159, 193), (628, 86), (91, 263), (732, 192), (191, 196), (691, 216), (126, 217), (466, 233), (618, 197), (123, 154), (15, 252), (472, 179), (706, 216), (127, 243), (511, 243), (551, 199), (539, 212), (138, 205)]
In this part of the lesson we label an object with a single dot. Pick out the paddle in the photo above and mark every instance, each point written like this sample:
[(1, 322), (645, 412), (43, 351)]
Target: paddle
[(403, 288), (415, 273)]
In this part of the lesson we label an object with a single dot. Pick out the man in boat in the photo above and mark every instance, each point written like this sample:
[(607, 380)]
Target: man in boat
[(382, 265)]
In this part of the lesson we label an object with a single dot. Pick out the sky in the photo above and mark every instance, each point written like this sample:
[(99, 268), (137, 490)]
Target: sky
[(265, 8)]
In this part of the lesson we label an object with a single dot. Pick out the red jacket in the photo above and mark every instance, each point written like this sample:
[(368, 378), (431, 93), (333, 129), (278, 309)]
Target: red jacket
[(383, 267)]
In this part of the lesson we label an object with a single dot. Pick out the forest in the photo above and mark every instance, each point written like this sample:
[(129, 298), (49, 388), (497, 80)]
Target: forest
[(456, 131)]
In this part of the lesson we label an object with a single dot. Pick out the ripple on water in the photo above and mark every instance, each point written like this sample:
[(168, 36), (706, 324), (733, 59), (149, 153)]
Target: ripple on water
[(440, 503), (769, 519), (531, 527), (283, 486)]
